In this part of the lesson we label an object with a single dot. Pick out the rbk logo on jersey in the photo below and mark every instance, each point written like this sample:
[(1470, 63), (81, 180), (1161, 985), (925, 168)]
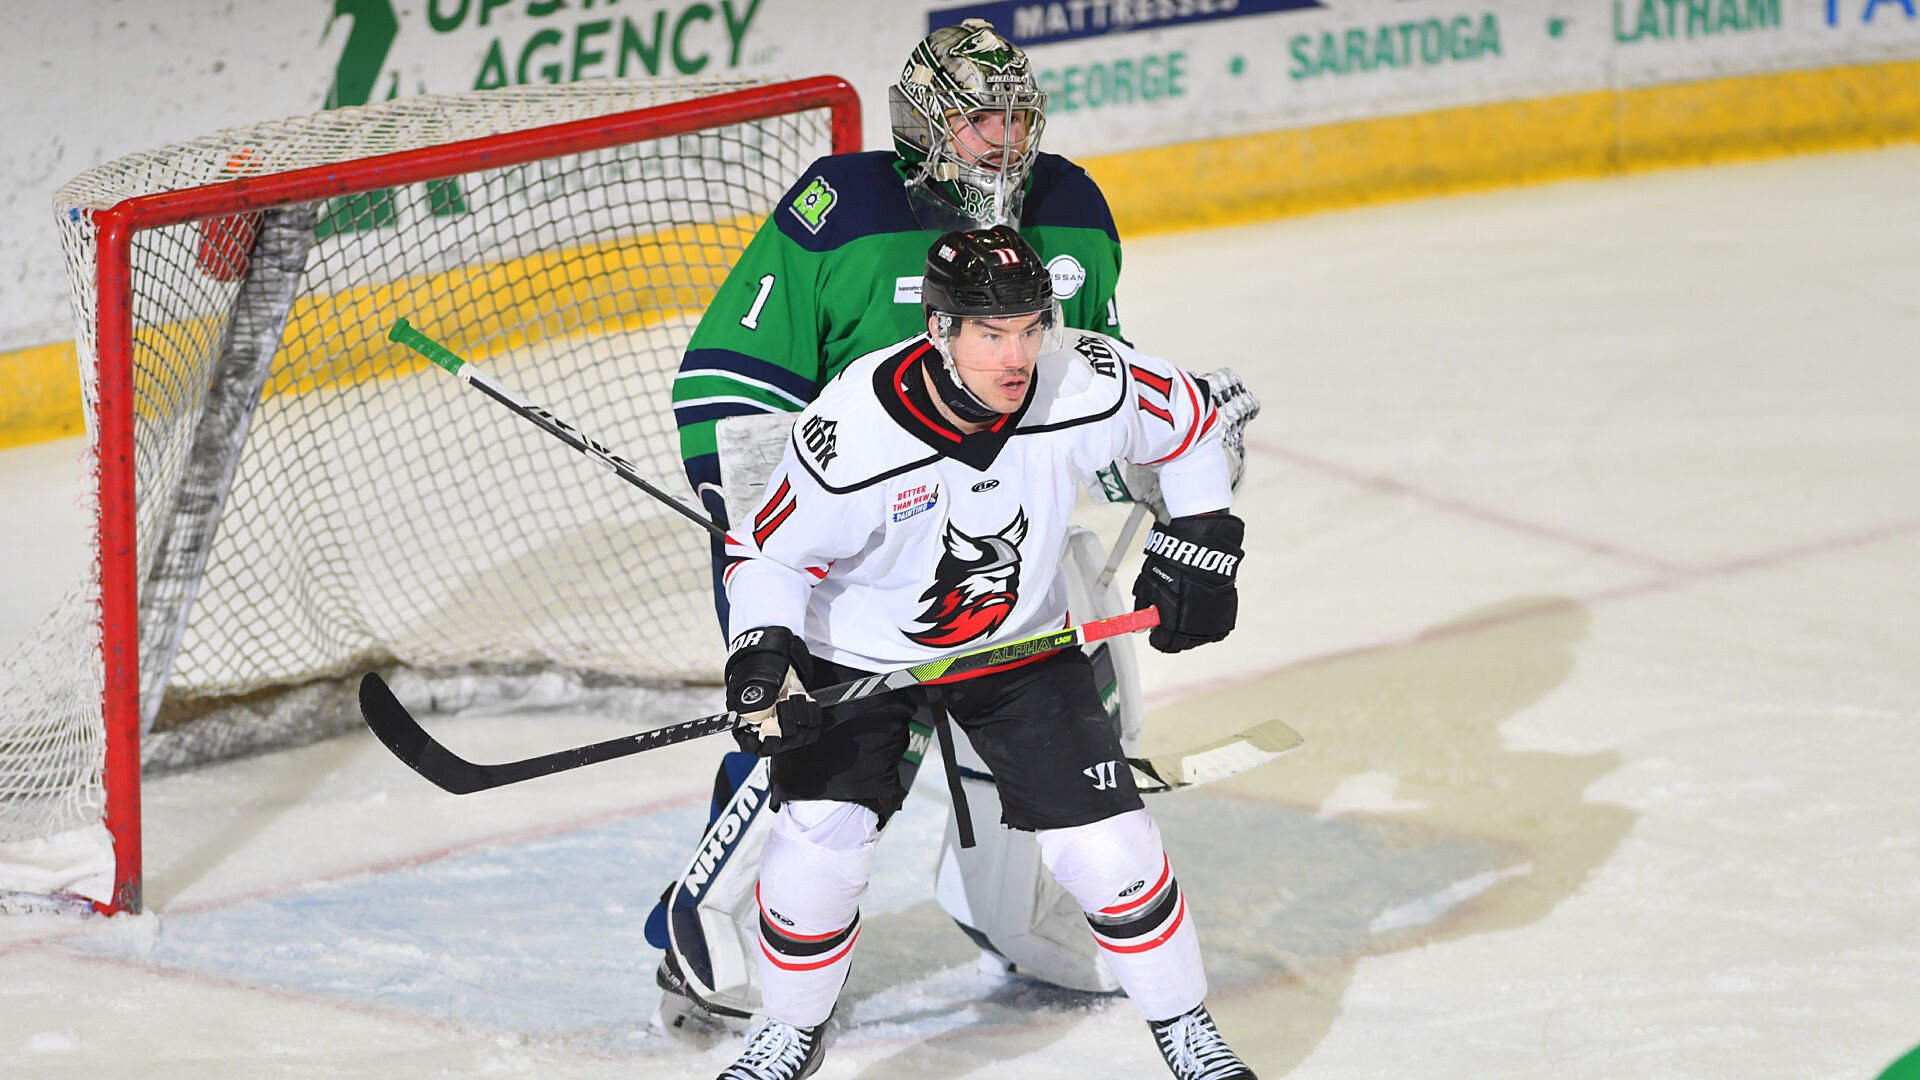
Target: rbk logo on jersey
[(975, 586)]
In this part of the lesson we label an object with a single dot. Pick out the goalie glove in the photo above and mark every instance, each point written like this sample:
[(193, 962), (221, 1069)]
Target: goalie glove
[(1189, 575), (763, 667), (1126, 482)]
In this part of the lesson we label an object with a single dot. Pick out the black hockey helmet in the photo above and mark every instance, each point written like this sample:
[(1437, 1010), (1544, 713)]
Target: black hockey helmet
[(981, 274), (985, 273)]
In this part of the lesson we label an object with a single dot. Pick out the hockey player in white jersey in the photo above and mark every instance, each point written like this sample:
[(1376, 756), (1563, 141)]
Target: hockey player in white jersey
[(921, 507)]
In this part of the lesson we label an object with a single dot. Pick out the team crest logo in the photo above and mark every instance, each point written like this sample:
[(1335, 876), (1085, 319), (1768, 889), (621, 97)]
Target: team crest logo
[(814, 203), (975, 586), (989, 50)]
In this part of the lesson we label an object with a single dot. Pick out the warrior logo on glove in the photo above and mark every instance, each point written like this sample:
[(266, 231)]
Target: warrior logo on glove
[(1189, 575), (1172, 547)]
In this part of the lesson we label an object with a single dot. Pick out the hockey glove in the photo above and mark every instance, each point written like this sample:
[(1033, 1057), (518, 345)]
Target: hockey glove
[(1189, 571), (766, 669)]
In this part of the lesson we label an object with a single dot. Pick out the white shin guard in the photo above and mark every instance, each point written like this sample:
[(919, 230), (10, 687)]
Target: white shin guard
[(1124, 883), (818, 858)]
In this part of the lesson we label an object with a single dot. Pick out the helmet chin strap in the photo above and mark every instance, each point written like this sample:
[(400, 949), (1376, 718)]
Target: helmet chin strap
[(947, 385)]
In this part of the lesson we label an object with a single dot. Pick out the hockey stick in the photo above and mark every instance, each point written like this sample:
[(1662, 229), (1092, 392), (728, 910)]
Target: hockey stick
[(404, 333), (410, 742), (1216, 760)]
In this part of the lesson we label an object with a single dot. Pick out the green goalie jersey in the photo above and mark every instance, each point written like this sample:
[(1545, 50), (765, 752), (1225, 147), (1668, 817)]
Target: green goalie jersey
[(834, 273)]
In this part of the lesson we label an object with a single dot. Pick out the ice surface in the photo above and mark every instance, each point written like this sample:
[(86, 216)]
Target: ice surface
[(1583, 523)]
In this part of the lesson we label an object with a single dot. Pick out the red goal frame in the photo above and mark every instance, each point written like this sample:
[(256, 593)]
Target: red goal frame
[(225, 204)]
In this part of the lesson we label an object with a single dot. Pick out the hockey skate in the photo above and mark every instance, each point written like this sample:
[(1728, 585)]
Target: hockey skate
[(1194, 1050), (683, 1010), (777, 1051)]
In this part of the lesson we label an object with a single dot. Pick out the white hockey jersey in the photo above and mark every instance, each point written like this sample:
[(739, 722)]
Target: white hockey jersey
[(887, 538)]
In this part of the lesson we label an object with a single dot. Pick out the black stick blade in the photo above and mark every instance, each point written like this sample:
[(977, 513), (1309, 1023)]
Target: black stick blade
[(396, 727)]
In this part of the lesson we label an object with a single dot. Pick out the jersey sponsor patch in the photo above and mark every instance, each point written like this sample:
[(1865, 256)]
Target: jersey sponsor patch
[(814, 203), (906, 290), (975, 586), (1068, 276), (914, 501)]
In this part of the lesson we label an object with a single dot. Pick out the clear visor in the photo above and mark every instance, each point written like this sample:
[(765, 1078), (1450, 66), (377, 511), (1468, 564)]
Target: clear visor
[(1052, 328)]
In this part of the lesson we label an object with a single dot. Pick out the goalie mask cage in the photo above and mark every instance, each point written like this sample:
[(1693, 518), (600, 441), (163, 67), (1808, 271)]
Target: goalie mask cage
[(286, 500)]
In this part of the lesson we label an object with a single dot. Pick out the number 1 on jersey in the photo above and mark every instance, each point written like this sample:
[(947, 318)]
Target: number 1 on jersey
[(751, 320)]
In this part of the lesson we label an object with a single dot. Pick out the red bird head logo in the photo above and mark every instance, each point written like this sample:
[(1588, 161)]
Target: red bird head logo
[(975, 586)]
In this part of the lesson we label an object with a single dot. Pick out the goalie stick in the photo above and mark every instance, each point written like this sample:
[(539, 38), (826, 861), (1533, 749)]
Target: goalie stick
[(410, 742), (404, 333)]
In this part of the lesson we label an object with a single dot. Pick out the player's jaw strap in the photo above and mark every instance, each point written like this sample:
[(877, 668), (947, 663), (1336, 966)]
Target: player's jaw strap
[(954, 394)]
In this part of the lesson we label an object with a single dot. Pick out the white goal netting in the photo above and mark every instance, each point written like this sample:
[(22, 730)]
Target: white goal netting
[(314, 502)]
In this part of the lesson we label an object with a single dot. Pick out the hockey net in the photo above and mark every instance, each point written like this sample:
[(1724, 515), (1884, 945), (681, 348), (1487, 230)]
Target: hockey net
[(285, 500)]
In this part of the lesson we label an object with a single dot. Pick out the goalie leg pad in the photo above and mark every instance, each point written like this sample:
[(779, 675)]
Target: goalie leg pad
[(1001, 895), (748, 449), (708, 915), (1120, 874), (1115, 666), (819, 856)]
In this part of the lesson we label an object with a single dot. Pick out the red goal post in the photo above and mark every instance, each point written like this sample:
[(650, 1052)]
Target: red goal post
[(228, 217)]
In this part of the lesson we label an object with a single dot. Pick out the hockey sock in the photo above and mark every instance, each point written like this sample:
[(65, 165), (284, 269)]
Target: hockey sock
[(818, 858), (1124, 882)]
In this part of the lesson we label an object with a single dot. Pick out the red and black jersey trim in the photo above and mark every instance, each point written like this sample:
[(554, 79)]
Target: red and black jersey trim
[(910, 405), (1205, 415), (903, 392), (774, 512)]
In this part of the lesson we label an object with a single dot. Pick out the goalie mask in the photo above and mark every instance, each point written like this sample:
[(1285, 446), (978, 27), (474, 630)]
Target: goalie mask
[(966, 117), (982, 274)]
